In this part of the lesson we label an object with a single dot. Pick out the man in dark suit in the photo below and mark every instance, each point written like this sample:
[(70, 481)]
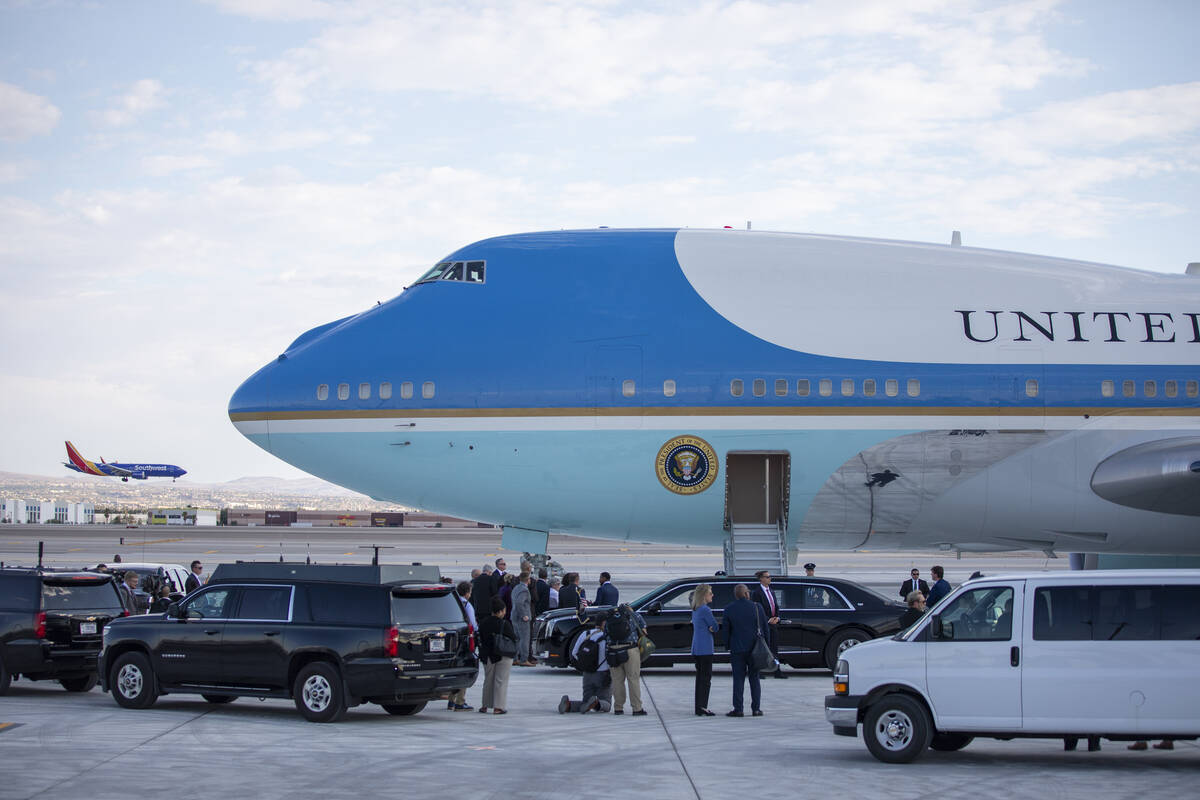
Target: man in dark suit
[(914, 584), (541, 593), (193, 581), (482, 592), (607, 594), (570, 594), (765, 598), (742, 621), (940, 588), (126, 588)]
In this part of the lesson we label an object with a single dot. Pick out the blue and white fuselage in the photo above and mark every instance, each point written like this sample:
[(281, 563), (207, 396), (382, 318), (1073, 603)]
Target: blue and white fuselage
[(604, 383)]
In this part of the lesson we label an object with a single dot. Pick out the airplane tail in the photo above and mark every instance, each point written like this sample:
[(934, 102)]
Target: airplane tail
[(81, 463)]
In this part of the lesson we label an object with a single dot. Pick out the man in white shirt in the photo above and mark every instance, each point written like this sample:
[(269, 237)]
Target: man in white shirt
[(458, 698)]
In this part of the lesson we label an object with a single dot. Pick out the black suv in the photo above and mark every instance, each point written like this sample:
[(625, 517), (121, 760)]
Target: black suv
[(51, 624), (327, 636), (818, 619)]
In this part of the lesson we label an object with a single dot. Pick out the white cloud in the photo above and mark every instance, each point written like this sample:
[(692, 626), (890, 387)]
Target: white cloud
[(14, 171), (159, 166), (24, 115), (143, 96)]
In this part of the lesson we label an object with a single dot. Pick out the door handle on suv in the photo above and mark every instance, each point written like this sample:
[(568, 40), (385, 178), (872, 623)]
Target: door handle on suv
[(212, 631), (1014, 656), (270, 633)]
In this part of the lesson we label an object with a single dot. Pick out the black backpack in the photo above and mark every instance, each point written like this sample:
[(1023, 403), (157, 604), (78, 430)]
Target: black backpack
[(587, 657), (618, 629)]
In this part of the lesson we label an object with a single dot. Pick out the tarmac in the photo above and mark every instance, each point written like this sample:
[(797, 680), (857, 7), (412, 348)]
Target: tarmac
[(56, 744)]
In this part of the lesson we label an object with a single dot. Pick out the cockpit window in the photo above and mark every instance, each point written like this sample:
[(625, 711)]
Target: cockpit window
[(461, 271)]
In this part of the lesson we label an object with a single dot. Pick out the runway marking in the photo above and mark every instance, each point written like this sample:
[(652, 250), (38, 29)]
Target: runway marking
[(210, 552), (74, 549), (481, 747), (162, 541), (352, 552), (259, 546), (4, 726)]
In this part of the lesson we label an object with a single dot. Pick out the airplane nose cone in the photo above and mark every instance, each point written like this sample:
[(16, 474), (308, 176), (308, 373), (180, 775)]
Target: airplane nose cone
[(250, 406)]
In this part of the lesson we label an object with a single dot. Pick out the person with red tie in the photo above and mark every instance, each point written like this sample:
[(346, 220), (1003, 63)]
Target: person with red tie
[(914, 584), (766, 598)]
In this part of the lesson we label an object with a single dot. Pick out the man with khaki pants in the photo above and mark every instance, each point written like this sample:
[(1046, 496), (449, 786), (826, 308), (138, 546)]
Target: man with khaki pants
[(625, 660)]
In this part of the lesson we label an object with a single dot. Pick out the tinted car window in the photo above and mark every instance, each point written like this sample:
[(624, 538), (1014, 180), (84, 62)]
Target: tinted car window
[(680, 599), (722, 595), (347, 605), (212, 604), (18, 593), (1125, 613), (811, 596), (425, 608), (69, 596), (265, 602), (1062, 614)]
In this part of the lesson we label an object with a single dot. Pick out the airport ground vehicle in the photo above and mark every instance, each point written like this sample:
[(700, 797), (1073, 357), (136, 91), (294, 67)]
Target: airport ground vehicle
[(819, 618), (1070, 655), (327, 636), (51, 624)]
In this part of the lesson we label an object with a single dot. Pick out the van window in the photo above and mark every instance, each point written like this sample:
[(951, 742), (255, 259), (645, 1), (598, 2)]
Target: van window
[(1062, 614), (346, 605), (980, 615), (1179, 618), (1116, 613), (1125, 613), (266, 602), (426, 608)]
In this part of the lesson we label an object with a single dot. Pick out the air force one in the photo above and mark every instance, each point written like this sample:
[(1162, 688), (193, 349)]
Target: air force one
[(769, 391), (139, 472)]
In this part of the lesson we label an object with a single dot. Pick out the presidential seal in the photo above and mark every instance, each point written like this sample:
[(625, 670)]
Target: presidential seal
[(686, 465)]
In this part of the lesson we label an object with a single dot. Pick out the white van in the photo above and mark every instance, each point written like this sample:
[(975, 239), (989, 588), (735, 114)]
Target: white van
[(1067, 655)]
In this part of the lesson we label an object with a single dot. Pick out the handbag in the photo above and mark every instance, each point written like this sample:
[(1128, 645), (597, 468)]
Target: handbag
[(646, 646), (505, 646), (761, 657)]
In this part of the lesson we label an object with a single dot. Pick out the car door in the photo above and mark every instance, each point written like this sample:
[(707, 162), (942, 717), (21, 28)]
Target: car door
[(811, 611), (254, 647), (973, 664), (189, 650), (669, 620)]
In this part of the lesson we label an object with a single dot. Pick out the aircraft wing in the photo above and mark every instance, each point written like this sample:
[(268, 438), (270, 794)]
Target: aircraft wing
[(113, 469)]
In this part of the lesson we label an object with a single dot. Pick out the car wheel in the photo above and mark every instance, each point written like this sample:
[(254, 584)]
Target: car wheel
[(318, 693), (132, 681), (841, 642), (897, 729), (84, 684), (949, 742), (402, 709), (219, 699), (5, 678)]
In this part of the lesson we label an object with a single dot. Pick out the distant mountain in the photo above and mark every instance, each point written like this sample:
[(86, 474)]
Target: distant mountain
[(314, 487)]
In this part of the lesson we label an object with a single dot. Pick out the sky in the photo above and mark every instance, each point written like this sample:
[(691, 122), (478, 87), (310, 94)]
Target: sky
[(187, 186)]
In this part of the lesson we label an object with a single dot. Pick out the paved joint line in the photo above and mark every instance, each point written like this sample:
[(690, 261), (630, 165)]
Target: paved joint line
[(126, 751), (667, 731)]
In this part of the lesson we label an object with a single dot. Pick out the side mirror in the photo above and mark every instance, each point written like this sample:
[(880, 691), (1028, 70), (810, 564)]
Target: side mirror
[(173, 610), (654, 608)]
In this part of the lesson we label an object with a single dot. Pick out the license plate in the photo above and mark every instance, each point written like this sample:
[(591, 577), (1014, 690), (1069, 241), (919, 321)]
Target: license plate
[(544, 655), (437, 645), (87, 627)]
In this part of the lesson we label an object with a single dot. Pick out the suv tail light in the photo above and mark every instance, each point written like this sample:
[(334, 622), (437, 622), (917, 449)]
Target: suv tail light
[(391, 645), (39, 625), (470, 639)]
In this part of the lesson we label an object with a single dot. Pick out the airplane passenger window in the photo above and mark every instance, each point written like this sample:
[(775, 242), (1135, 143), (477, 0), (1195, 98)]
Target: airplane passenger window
[(475, 271), (802, 387), (406, 390), (454, 273), (669, 388), (343, 391), (736, 387), (364, 391), (1171, 388), (1150, 388), (427, 390), (760, 387), (781, 387), (1107, 388), (628, 388), (914, 387), (1193, 388), (891, 387), (323, 391), (1031, 387), (825, 387), (869, 387), (434, 273), (1127, 388), (847, 387), (385, 391)]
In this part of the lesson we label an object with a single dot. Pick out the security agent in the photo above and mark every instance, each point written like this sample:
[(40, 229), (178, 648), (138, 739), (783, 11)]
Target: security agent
[(810, 570)]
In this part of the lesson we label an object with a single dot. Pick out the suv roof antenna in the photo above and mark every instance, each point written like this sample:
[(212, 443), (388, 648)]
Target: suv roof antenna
[(308, 552), (41, 550), (281, 552), (377, 548)]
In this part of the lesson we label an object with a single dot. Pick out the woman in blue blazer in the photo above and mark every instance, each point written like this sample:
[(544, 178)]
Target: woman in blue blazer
[(704, 625)]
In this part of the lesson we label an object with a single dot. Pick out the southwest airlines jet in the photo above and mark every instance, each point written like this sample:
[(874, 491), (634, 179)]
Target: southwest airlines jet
[(139, 472), (761, 389)]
